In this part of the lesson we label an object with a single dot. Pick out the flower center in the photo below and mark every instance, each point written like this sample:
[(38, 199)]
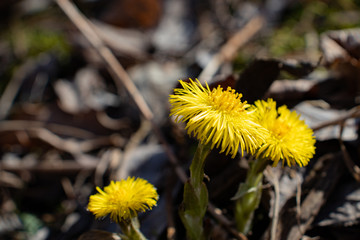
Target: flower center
[(120, 198), (226, 101), (280, 129)]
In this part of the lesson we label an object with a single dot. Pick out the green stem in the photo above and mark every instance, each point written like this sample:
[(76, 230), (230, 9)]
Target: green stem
[(198, 164), (131, 229), (249, 195), (195, 199)]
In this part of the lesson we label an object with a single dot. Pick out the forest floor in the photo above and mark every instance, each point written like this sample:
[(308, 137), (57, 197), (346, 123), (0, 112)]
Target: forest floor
[(84, 100)]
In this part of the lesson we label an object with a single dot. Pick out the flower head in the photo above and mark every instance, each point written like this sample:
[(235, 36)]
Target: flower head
[(290, 139), (217, 116), (123, 199)]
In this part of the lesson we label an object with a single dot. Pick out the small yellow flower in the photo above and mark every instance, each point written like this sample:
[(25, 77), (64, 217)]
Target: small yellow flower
[(123, 199), (290, 139), (216, 116)]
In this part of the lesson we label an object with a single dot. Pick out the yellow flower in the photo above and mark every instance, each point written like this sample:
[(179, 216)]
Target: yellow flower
[(123, 199), (216, 116), (290, 139)]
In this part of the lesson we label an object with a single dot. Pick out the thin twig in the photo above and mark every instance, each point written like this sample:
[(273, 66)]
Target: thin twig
[(68, 188), (169, 187), (121, 77), (51, 167), (103, 165), (73, 146), (231, 47), (351, 166), (352, 113), (135, 140), (216, 213), (110, 123), (23, 125), (8, 179), (298, 203), (274, 178), (39, 130), (13, 87)]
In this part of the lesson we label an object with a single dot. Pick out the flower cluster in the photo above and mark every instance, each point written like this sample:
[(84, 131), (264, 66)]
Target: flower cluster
[(217, 118), (220, 117)]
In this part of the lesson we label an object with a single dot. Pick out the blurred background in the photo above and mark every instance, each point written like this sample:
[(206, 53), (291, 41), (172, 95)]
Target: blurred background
[(68, 124)]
